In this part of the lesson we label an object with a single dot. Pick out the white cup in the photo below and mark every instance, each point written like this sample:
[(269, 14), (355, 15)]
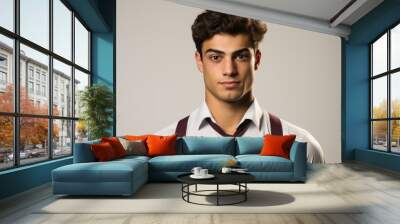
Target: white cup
[(226, 170), (196, 170), (203, 172)]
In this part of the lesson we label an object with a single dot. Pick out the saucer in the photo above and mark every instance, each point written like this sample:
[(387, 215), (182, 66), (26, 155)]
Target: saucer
[(208, 176)]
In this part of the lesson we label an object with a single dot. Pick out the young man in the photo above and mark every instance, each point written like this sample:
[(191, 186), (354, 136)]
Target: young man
[(227, 55)]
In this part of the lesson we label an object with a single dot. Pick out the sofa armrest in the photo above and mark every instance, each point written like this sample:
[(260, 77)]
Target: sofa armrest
[(298, 155), (83, 152)]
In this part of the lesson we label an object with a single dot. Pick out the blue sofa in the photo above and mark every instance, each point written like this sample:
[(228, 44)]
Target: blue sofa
[(125, 176)]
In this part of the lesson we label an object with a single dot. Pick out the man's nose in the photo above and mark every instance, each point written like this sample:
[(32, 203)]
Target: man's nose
[(230, 68)]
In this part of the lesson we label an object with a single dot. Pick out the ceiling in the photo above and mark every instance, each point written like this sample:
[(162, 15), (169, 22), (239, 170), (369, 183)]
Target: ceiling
[(333, 17)]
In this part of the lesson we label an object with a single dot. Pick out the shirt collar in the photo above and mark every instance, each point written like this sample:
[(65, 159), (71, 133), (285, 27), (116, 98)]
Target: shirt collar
[(253, 113)]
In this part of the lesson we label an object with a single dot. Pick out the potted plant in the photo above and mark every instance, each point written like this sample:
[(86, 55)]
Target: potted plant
[(96, 102)]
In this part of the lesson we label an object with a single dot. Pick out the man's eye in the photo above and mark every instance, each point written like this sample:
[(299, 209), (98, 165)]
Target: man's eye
[(215, 57), (242, 57)]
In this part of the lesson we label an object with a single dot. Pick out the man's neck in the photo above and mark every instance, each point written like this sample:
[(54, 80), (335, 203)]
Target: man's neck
[(228, 114)]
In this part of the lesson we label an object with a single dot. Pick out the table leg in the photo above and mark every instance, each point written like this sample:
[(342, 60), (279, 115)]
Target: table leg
[(196, 188), (245, 191), (217, 194)]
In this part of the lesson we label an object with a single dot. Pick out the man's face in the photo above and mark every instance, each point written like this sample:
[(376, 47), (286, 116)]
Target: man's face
[(228, 66)]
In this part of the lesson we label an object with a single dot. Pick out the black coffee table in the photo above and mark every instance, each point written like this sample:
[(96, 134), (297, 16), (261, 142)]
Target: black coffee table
[(239, 179)]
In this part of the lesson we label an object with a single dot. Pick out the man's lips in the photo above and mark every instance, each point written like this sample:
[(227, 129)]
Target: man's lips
[(230, 84)]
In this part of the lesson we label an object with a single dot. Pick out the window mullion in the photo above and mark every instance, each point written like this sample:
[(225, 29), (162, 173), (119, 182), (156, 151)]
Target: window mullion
[(16, 84), (389, 104), (50, 81), (73, 82)]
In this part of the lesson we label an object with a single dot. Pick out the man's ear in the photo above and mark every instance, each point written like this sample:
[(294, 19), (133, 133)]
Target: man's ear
[(258, 59), (199, 61)]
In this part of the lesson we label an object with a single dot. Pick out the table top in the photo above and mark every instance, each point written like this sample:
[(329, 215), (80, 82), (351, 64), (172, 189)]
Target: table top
[(220, 178)]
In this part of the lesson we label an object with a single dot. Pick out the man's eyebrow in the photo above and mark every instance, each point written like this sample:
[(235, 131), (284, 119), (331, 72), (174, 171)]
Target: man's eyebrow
[(221, 52)]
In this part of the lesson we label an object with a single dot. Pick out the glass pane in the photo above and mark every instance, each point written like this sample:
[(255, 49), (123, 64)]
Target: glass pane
[(7, 14), (395, 47), (395, 94), (379, 100), (62, 89), (33, 139), (379, 135), (6, 74), (395, 136), (62, 138), (6, 142), (379, 55), (62, 29), (81, 45), (35, 21), (81, 131), (34, 97), (81, 81)]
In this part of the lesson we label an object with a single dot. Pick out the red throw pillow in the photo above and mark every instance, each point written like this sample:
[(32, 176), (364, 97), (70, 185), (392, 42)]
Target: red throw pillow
[(277, 145), (161, 145), (116, 145), (103, 151)]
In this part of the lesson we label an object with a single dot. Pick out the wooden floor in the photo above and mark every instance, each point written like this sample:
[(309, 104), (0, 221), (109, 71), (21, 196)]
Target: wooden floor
[(378, 188)]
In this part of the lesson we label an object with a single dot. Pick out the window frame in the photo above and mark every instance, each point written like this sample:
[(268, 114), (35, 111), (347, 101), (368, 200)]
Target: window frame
[(388, 74), (15, 72)]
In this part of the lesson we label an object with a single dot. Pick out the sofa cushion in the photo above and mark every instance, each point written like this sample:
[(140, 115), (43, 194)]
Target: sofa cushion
[(249, 145), (195, 145), (111, 171), (185, 163), (257, 163)]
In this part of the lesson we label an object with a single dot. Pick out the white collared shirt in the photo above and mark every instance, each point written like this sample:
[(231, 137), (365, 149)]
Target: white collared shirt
[(258, 127)]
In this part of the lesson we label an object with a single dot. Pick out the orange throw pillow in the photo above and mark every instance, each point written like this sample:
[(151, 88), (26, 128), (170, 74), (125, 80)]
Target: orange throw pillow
[(136, 137), (103, 151), (161, 145), (116, 145), (277, 145)]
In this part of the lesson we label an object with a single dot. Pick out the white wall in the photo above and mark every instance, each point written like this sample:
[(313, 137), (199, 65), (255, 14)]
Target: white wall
[(158, 82)]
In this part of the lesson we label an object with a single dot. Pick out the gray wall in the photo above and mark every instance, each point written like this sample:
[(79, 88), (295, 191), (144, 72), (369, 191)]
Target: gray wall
[(158, 83)]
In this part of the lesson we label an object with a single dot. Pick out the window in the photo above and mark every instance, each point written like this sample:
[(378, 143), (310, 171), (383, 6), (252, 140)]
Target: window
[(30, 72), (38, 74), (38, 89), (3, 78), (3, 72), (3, 61), (54, 126), (385, 91), (43, 90), (30, 87)]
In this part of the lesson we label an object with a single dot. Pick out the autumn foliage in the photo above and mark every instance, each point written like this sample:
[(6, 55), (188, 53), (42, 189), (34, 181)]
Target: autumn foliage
[(380, 127), (33, 131)]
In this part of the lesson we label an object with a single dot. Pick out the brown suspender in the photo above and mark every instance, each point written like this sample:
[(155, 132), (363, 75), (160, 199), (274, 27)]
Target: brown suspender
[(276, 126), (181, 127)]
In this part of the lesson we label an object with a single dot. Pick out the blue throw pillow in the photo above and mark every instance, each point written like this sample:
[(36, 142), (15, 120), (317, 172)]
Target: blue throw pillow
[(249, 145), (192, 145)]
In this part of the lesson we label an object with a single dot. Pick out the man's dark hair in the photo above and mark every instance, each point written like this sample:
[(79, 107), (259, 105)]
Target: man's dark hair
[(210, 23)]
